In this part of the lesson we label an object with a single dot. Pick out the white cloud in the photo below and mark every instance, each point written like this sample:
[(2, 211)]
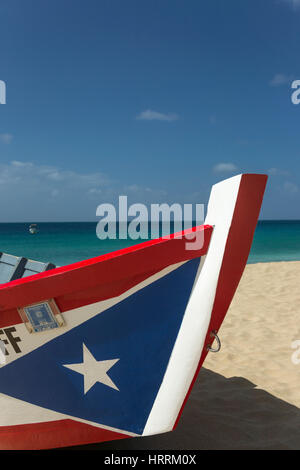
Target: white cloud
[(43, 193), (281, 79), (54, 192), (21, 164), (295, 4), (133, 187), (277, 172), (139, 193), (48, 176), (6, 138), (150, 115), (225, 168), (290, 187), (95, 191)]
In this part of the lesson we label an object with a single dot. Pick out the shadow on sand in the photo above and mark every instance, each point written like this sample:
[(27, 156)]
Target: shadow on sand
[(224, 413)]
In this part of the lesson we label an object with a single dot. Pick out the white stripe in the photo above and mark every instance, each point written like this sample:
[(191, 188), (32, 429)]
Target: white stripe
[(190, 340), (20, 412)]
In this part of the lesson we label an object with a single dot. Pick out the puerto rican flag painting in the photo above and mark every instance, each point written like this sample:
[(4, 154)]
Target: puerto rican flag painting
[(137, 325)]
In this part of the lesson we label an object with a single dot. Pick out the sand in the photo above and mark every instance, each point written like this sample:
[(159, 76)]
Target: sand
[(247, 396)]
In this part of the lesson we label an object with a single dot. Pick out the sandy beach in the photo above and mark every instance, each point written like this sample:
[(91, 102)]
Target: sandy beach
[(247, 396)]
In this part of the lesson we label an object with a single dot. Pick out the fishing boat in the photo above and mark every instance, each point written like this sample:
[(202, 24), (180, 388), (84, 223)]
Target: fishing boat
[(33, 228), (110, 347)]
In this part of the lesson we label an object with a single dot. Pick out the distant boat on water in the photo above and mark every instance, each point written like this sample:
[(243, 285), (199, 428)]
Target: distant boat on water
[(33, 228)]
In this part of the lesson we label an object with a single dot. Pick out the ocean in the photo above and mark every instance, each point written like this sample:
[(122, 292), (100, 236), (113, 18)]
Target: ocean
[(64, 243)]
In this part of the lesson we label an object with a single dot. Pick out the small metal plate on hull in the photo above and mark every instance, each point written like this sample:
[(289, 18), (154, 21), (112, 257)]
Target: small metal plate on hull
[(42, 316)]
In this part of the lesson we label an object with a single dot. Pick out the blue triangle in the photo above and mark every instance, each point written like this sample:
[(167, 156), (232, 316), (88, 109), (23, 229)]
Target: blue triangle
[(140, 331)]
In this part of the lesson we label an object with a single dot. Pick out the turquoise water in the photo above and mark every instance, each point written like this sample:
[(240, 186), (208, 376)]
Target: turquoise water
[(276, 240), (64, 243)]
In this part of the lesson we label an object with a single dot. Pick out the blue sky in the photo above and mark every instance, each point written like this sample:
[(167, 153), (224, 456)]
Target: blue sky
[(154, 99)]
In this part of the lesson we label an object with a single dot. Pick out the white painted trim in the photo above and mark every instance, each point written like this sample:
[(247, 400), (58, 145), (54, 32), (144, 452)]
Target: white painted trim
[(190, 340), (20, 412)]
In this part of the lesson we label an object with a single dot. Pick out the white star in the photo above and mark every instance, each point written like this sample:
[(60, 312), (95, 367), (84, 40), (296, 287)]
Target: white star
[(93, 371)]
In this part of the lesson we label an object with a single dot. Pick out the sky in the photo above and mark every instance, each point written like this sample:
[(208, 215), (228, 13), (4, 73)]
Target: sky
[(153, 99)]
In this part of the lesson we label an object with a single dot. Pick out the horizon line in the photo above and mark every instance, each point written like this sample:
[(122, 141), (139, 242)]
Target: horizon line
[(96, 221)]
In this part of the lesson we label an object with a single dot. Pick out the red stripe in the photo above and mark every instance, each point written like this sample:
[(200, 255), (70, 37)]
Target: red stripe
[(98, 278), (246, 212), (53, 434)]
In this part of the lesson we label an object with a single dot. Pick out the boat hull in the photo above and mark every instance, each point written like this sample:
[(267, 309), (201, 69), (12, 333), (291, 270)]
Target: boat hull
[(136, 328)]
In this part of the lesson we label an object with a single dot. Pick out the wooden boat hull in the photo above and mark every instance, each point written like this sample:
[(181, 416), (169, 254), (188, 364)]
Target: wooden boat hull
[(135, 330)]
